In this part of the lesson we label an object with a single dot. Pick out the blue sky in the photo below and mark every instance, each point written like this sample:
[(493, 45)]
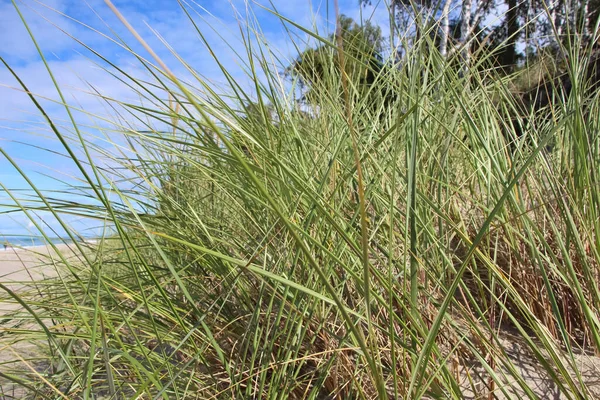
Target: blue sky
[(25, 136)]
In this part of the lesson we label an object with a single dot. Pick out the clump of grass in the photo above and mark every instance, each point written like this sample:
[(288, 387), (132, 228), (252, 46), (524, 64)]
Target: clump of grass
[(347, 249)]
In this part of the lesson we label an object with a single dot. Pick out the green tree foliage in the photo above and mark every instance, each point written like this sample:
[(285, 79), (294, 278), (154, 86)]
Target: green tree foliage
[(362, 47)]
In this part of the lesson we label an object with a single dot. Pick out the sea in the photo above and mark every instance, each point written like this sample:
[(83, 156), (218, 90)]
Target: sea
[(7, 242)]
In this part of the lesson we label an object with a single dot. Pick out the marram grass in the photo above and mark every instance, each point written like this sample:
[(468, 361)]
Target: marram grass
[(363, 244)]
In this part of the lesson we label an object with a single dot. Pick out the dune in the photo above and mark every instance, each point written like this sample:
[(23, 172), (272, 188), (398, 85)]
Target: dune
[(18, 267)]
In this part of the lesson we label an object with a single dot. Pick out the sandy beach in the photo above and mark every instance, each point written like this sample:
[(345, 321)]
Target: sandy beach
[(31, 263), (18, 266)]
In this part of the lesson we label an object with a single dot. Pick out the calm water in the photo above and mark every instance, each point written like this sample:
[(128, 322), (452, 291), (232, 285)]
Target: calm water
[(27, 241)]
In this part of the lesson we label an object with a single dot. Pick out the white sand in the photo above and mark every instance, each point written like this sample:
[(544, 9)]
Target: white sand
[(18, 266)]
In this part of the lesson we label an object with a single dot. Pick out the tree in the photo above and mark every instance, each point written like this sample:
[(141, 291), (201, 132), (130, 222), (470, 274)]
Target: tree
[(428, 13), (527, 24), (362, 45), (445, 28)]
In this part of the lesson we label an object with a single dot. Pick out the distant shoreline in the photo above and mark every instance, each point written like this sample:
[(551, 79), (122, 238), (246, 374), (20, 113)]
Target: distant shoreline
[(19, 247)]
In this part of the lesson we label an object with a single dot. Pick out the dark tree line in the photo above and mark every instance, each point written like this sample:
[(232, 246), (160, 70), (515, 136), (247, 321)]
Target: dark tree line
[(530, 24)]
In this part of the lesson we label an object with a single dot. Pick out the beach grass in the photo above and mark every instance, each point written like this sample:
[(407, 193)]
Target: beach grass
[(356, 246)]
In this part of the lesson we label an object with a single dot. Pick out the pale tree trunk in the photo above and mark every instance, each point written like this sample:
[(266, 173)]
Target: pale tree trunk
[(558, 21), (465, 29), (393, 29), (556, 8), (480, 11), (445, 28), (585, 26)]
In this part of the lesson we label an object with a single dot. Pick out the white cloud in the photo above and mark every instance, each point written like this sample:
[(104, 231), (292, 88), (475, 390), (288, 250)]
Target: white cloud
[(74, 71), (17, 44)]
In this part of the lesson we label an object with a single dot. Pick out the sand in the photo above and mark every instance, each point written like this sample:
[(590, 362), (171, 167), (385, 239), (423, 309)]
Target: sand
[(529, 369), (17, 267), (23, 265), (14, 262)]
